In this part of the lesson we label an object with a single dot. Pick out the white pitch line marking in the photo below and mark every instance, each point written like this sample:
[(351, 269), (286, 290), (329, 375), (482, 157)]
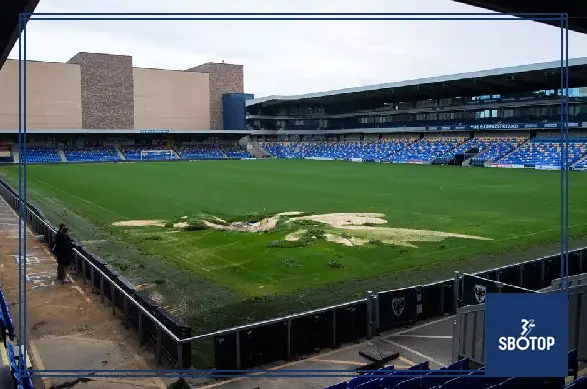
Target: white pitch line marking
[(426, 357), (424, 325), (424, 336)]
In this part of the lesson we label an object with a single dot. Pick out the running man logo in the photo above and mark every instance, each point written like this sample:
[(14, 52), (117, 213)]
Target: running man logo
[(525, 342)]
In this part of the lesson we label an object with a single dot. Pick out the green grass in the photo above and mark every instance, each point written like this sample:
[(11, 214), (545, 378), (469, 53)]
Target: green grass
[(214, 279)]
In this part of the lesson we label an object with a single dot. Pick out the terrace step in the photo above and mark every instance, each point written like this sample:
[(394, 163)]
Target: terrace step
[(120, 154), (62, 155), (511, 152), (15, 153), (582, 159)]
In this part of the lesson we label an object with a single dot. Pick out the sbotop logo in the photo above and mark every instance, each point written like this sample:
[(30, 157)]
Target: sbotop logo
[(524, 341)]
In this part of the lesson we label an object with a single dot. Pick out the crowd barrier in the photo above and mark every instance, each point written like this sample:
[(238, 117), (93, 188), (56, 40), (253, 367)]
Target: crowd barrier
[(300, 334), (469, 325), (154, 324)]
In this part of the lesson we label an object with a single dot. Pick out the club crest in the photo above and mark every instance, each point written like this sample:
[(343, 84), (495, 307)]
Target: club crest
[(398, 304), (480, 292)]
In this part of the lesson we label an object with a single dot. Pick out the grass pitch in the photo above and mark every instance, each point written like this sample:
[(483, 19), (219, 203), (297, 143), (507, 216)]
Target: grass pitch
[(218, 278)]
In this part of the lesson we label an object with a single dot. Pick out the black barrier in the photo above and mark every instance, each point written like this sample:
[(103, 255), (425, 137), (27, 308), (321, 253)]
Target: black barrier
[(583, 254), (509, 275), (574, 263), (225, 352), (264, 344), (432, 300), (350, 323), (310, 334), (488, 275), (552, 270), (532, 275), (436, 299), (475, 289), (397, 307), (514, 289)]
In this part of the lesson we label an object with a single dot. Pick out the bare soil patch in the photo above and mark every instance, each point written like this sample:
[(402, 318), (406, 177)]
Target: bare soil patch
[(349, 229), (139, 223)]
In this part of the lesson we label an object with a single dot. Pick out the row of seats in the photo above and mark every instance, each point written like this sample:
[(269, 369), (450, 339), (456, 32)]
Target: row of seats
[(203, 151), (545, 153), (367, 150), (40, 154), (490, 148), (500, 150), (91, 154), (426, 150), (456, 376), (19, 381), (582, 164)]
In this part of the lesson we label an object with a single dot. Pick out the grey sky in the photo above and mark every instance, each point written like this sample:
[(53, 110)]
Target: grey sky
[(295, 57)]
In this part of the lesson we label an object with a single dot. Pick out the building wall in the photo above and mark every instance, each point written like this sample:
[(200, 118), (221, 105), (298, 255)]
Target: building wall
[(167, 99), (224, 78), (53, 95), (107, 90)]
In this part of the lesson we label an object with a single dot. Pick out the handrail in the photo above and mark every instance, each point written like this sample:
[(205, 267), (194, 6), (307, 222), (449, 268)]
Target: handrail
[(129, 297), (272, 321), (122, 291)]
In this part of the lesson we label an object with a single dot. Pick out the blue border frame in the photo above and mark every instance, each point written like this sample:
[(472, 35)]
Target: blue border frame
[(23, 17)]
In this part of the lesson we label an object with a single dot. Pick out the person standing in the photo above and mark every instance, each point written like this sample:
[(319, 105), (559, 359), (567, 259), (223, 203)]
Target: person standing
[(62, 250)]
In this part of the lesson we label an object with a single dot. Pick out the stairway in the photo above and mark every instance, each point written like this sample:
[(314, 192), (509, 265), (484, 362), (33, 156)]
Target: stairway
[(582, 159), (254, 148), (15, 153), (175, 154), (511, 152), (62, 155), (120, 154)]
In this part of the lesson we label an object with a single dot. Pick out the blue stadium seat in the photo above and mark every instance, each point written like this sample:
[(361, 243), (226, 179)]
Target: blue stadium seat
[(490, 148), (402, 379), (41, 154), (580, 383), (6, 315), (545, 152), (426, 150), (91, 154), (201, 151), (232, 151), (377, 150), (133, 153)]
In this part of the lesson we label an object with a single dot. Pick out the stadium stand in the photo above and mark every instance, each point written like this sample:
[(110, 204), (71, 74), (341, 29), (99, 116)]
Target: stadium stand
[(544, 152), (6, 153), (202, 151), (11, 363), (134, 153), (426, 149), (459, 375), (232, 151), (42, 154), (366, 150), (581, 164), (490, 148), (498, 150), (91, 154)]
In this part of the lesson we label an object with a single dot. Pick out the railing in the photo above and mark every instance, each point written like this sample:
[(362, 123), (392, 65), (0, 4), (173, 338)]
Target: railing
[(469, 327), (299, 334), (119, 291)]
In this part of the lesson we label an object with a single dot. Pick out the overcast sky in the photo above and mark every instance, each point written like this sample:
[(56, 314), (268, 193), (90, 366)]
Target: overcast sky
[(295, 57)]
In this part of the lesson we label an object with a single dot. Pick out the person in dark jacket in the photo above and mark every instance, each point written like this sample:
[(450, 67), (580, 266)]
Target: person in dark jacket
[(62, 250)]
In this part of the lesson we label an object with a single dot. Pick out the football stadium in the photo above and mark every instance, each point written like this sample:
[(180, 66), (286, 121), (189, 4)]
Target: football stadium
[(197, 208)]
